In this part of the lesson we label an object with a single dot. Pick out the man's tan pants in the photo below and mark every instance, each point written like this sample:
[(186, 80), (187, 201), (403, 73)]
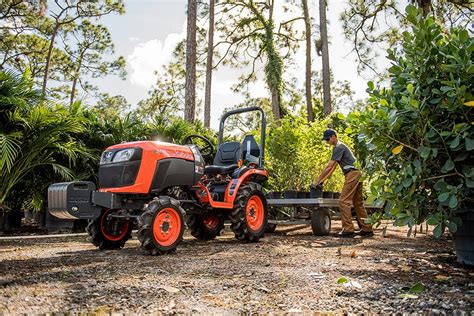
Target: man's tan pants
[(352, 194)]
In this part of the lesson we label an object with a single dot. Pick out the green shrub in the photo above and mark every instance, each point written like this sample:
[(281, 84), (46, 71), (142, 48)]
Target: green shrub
[(419, 132), (37, 141), (296, 155)]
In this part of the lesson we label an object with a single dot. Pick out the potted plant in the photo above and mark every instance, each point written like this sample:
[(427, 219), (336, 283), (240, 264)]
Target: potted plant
[(418, 133)]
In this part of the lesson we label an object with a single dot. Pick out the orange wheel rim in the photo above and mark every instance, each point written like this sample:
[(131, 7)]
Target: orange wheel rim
[(167, 226), (110, 235), (211, 222), (255, 213)]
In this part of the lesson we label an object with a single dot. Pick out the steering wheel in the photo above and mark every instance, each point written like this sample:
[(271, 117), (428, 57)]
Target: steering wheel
[(206, 150)]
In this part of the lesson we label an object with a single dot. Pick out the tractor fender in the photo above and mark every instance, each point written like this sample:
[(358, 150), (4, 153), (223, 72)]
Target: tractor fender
[(234, 185)]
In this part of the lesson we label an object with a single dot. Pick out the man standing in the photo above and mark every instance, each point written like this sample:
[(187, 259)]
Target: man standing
[(351, 191)]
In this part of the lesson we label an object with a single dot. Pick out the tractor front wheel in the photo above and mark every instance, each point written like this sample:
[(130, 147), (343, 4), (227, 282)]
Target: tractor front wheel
[(108, 232), (205, 227), (250, 215), (161, 226)]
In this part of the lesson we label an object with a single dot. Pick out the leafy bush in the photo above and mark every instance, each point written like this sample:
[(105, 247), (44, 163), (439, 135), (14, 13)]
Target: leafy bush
[(174, 129), (36, 138), (296, 155), (419, 133)]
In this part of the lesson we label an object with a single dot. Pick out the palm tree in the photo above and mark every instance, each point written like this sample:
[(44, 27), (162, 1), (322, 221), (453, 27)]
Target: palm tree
[(34, 135)]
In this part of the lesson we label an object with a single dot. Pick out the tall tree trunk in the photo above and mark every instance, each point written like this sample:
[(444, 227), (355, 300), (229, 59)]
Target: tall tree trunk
[(48, 59), (276, 104), (273, 68), (325, 58), (76, 77), (190, 87), (307, 22), (210, 52), (73, 91)]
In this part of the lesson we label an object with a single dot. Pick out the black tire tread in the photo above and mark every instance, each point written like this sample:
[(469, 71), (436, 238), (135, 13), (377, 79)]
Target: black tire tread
[(145, 224), (199, 230), (98, 239), (317, 222), (238, 216)]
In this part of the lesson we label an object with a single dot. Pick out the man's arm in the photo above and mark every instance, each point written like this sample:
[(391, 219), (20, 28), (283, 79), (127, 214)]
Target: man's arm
[(328, 171)]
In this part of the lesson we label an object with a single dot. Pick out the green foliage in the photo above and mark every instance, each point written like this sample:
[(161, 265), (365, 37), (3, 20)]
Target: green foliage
[(418, 133), (87, 46), (167, 96), (174, 130), (35, 138), (373, 24), (109, 106), (251, 36), (30, 33), (296, 155)]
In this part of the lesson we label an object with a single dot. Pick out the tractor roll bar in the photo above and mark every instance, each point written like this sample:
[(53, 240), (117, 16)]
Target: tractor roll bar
[(262, 136)]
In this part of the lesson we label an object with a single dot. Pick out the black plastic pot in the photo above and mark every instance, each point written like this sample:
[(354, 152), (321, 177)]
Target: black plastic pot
[(274, 195), (40, 218), (464, 238), (302, 194), (10, 220), (316, 193), (290, 194), (328, 195), (336, 195)]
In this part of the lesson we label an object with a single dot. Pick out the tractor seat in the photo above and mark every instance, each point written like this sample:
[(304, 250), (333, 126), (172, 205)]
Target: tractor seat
[(212, 169), (226, 159)]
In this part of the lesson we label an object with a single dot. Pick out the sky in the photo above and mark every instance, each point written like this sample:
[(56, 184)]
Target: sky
[(148, 32)]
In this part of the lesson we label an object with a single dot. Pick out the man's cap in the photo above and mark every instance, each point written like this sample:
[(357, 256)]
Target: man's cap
[(328, 133)]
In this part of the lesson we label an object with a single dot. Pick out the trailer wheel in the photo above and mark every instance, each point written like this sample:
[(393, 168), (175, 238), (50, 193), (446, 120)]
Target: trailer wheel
[(320, 222), (250, 215), (161, 226), (205, 227), (109, 233)]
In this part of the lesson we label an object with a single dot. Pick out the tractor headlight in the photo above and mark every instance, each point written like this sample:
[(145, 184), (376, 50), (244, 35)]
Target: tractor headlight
[(106, 157), (123, 155)]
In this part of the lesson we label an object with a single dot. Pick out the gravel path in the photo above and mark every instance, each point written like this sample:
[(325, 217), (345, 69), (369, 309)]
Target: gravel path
[(290, 271)]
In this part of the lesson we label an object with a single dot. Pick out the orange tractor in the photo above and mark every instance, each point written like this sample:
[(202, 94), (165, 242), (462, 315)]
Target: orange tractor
[(162, 187)]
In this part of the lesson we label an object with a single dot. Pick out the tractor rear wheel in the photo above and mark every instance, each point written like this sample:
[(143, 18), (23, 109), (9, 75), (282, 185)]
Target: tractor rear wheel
[(109, 232), (205, 227), (161, 226), (250, 215)]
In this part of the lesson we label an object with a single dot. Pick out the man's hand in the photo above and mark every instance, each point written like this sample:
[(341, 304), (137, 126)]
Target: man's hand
[(316, 185)]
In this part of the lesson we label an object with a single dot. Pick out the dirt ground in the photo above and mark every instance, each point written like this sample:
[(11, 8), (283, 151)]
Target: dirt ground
[(289, 271)]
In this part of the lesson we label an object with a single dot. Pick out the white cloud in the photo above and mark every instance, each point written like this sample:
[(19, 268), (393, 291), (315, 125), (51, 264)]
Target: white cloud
[(151, 56)]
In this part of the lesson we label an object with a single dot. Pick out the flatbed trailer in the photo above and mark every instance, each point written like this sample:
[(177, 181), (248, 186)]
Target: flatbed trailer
[(314, 212)]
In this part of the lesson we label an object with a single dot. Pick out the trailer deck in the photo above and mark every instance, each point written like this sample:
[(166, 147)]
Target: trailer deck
[(314, 212)]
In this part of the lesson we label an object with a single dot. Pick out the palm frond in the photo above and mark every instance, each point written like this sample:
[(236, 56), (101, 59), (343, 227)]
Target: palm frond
[(65, 172), (9, 150)]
